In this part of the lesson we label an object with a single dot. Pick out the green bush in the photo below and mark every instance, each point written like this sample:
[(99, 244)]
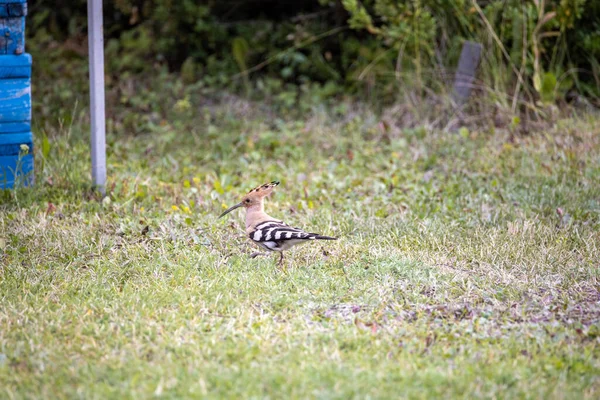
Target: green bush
[(550, 44), (546, 50)]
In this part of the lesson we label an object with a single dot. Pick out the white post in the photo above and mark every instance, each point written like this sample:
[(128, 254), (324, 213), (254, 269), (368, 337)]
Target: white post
[(96, 54)]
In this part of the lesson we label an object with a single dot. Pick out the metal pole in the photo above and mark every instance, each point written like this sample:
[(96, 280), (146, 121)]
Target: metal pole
[(96, 54)]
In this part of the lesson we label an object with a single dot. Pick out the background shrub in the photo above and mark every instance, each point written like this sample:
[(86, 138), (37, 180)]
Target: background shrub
[(534, 51)]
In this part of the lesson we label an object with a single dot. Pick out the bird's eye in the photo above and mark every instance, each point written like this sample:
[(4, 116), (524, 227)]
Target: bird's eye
[(247, 201)]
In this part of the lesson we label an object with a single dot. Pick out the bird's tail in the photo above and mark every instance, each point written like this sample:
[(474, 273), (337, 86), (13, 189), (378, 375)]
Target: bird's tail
[(321, 237)]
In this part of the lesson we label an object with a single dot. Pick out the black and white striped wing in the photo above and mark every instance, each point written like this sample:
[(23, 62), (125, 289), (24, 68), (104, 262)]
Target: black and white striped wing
[(277, 236)]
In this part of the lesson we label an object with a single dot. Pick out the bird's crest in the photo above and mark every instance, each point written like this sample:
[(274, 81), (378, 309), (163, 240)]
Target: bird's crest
[(263, 190)]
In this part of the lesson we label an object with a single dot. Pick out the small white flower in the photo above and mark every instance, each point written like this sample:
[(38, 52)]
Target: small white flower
[(24, 148)]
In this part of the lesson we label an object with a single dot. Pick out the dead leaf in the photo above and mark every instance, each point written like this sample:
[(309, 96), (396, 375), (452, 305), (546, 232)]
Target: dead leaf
[(51, 209), (374, 327)]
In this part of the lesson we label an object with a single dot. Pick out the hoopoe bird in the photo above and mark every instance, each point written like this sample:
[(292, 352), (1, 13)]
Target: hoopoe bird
[(266, 231)]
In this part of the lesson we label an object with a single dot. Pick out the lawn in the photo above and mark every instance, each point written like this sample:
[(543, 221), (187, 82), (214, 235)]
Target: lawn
[(467, 265)]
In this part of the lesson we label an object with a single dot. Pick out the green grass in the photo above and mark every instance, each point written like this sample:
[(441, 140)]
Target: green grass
[(455, 274)]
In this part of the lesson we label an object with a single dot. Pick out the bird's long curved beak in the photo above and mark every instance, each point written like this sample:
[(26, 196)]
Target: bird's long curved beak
[(230, 209)]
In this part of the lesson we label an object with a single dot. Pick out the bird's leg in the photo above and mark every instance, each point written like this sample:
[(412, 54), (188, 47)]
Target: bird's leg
[(256, 254), (280, 258)]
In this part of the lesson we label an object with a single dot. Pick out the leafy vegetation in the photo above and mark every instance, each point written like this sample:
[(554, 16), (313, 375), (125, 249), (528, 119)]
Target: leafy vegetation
[(535, 52), (467, 264)]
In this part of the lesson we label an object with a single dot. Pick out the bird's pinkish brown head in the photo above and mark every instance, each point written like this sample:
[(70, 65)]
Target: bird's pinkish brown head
[(254, 197)]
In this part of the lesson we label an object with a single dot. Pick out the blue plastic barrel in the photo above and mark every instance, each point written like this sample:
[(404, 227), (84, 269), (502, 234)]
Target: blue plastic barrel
[(16, 140)]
